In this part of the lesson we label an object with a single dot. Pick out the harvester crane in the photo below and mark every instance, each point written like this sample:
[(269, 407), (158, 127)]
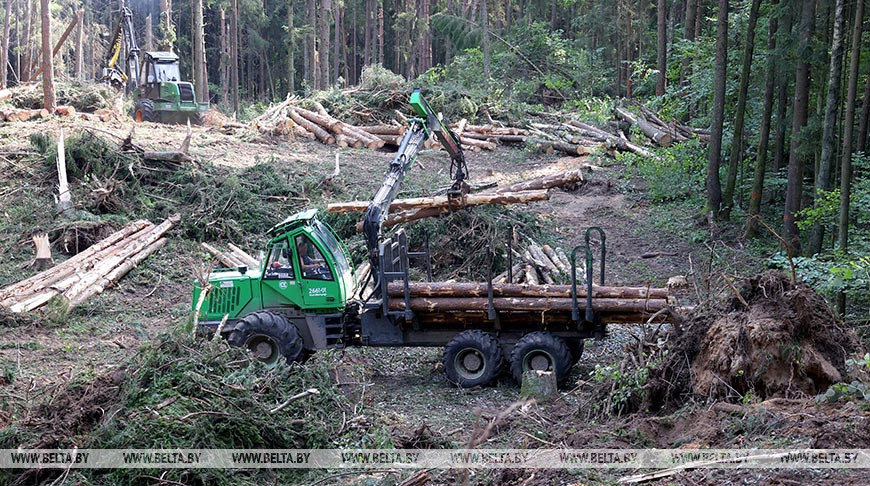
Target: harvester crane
[(426, 124), (128, 79)]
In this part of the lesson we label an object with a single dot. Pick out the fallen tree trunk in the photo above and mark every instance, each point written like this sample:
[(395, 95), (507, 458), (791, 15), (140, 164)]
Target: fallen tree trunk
[(323, 120), (654, 133), (383, 129), (545, 182), (445, 202), (549, 147), (623, 145), (312, 127), (225, 258), (58, 272), (525, 304), (479, 289)]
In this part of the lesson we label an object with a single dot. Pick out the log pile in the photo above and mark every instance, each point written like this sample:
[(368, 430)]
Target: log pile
[(623, 304), (290, 119), (91, 271), (12, 114), (657, 130), (232, 257)]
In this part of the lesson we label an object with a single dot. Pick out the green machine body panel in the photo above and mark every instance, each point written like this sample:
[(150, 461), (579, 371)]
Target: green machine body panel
[(306, 268)]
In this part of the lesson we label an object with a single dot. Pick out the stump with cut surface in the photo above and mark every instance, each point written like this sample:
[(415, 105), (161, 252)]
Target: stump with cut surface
[(540, 385)]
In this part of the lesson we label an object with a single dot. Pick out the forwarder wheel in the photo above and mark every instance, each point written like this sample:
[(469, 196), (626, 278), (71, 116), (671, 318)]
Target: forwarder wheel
[(268, 337), (472, 358), (144, 111), (541, 351), (197, 118)]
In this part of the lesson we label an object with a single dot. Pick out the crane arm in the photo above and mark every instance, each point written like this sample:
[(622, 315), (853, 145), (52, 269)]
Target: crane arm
[(427, 124), (124, 34)]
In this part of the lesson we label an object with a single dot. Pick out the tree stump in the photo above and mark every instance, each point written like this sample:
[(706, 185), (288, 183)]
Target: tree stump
[(540, 385)]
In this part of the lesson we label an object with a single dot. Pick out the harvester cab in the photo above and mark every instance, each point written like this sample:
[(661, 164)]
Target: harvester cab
[(163, 96)]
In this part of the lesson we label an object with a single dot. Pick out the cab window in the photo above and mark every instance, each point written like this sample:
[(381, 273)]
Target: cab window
[(279, 265), (311, 260)]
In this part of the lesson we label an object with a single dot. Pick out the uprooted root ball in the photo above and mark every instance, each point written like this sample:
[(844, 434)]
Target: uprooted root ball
[(775, 340)]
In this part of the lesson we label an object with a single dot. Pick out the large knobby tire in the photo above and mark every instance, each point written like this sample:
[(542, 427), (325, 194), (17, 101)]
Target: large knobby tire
[(541, 351), (144, 111), (269, 337), (197, 118), (472, 358)]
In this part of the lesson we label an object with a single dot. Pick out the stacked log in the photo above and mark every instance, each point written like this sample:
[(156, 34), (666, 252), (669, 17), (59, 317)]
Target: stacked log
[(290, 119), (91, 271), (233, 257), (11, 114), (622, 304)]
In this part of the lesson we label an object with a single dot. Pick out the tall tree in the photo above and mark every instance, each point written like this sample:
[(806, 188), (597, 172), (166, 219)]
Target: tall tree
[(736, 155), (291, 49), (234, 56), (149, 34), (689, 35), (784, 81), (861, 146), (764, 136), (4, 55), (222, 60), (832, 105), (662, 45), (80, 44), (199, 69), (48, 100), (714, 159), (484, 19), (323, 50), (794, 189), (25, 41), (313, 69), (848, 125), (167, 30)]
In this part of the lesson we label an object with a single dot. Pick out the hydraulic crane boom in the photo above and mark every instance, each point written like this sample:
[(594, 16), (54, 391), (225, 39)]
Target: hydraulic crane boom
[(422, 127), (124, 34)]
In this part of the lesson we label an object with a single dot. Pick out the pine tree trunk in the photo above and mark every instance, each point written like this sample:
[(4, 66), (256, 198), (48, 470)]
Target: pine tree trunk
[(662, 46), (794, 189), (222, 60), (689, 35), (381, 32), (4, 55), (325, 10), (764, 137), (25, 41), (865, 118), (199, 54), (234, 56), (735, 158), (832, 104), (336, 45), (80, 45), (48, 100), (367, 34), (848, 124), (167, 31), (783, 80), (714, 189), (314, 71), (149, 34), (484, 19), (291, 49)]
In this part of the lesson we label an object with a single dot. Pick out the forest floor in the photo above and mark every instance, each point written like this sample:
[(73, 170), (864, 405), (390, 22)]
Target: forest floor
[(402, 395)]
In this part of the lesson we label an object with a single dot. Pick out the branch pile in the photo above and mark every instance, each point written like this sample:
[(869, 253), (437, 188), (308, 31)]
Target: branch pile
[(233, 257), (539, 264), (91, 271)]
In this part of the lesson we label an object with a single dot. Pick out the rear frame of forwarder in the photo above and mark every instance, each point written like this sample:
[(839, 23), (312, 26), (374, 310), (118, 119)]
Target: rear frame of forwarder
[(304, 296)]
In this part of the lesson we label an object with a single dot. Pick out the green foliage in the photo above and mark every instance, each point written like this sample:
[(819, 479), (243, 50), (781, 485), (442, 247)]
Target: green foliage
[(184, 392), (626, 387), (677, 172)]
